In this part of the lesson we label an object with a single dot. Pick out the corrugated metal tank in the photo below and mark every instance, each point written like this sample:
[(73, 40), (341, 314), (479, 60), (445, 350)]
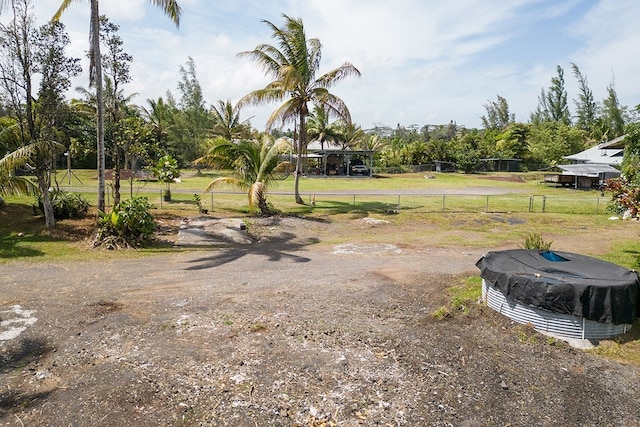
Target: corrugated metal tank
[(555, 324)]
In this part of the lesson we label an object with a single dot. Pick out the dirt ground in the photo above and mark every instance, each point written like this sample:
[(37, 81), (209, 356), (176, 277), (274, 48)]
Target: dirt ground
[(292, 329)]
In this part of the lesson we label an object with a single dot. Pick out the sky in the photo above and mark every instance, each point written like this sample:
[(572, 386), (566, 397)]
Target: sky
[(422, 61)]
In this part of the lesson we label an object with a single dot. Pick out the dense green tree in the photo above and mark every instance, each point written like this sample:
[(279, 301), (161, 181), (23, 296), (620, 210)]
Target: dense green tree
[(293, 64), (190, 121), (586, 106), (549, 142), (552, 104), (115, 64), (557, 99), (28, 54), (613, 115), (498, 115), (170, 8)]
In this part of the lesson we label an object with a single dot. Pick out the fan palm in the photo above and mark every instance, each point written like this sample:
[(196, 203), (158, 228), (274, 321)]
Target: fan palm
[(171, 9), (255, 163), (293, 64)]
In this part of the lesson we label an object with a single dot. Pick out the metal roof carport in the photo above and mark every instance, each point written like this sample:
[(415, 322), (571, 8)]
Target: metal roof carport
[(590, 170)]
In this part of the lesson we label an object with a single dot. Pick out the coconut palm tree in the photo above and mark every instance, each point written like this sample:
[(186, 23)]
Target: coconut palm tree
[(10, 142), (255, 164), (319, 128), (293, 64), (171, 9), (227, 123)]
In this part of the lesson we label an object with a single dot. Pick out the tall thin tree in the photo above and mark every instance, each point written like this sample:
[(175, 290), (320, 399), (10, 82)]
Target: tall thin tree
[(171, 9), (293, 64), (586, 106)]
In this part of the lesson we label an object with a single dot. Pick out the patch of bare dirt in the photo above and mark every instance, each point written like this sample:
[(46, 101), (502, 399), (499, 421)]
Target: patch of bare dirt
[(292, 330), (506, 178)]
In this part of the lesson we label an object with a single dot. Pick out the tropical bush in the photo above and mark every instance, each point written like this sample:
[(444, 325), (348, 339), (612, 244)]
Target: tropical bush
[(65, 204), (625, 196), (128, 225), (535, 241)]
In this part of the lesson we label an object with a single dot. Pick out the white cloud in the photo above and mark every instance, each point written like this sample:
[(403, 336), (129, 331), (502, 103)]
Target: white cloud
[(421, 61)]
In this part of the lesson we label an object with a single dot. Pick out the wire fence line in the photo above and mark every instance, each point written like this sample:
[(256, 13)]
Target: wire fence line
[(453, 203)]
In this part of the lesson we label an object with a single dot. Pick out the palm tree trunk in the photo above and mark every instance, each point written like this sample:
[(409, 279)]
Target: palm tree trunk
[(302, 132), (95, 41)]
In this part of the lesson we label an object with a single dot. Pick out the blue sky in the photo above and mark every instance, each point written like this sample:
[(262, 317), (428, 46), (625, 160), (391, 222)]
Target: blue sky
[(422, 61)]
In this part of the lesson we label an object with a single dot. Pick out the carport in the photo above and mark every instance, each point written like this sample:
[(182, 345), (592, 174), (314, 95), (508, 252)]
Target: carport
[(589, 175)]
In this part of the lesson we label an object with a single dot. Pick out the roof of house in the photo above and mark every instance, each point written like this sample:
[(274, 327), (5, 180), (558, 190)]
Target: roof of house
[(598, 154), (588, 169), (614, 143)]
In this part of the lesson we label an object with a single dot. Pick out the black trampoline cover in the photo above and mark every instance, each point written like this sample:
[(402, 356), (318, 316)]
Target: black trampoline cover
[(563, 282)]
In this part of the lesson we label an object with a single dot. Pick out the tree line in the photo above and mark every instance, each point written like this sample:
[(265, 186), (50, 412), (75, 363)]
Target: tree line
[(102, 127)]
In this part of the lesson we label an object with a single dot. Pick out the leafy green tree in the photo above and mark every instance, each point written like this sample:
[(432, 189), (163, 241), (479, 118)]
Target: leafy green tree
[(549, 142), (586, 106), (557, 99), (167, 171), (613, 114), (115, 63), (191, 122), (498, 115), (170, 8), (294, 64), (27, 52), (255, 164), (552, 104)]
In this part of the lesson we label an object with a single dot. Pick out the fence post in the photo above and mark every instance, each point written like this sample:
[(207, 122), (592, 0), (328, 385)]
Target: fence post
[(160, 199), (212, 200), (443, 201), (544, 203), (486, 205), (530, 204), (354, 200), (398, 203)]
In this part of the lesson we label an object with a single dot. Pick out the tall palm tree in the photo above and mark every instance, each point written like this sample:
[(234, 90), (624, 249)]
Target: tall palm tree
[(293, 64), (171, 9), (255, 164)]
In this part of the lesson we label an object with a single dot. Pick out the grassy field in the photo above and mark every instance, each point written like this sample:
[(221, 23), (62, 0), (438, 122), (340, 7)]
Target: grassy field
[(414, 198)]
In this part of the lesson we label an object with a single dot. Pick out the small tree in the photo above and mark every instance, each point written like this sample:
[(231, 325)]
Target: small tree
[(166, 170)]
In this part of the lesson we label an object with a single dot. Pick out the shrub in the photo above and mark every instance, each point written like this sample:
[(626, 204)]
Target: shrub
[(65, 204), (535, 241), (129, 224)]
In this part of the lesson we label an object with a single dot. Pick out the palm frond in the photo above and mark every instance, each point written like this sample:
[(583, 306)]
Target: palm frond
[(171, 8), (225, 180), (257, 193)]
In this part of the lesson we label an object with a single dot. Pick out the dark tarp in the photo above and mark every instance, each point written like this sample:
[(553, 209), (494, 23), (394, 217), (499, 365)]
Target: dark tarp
[(575, 284)]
